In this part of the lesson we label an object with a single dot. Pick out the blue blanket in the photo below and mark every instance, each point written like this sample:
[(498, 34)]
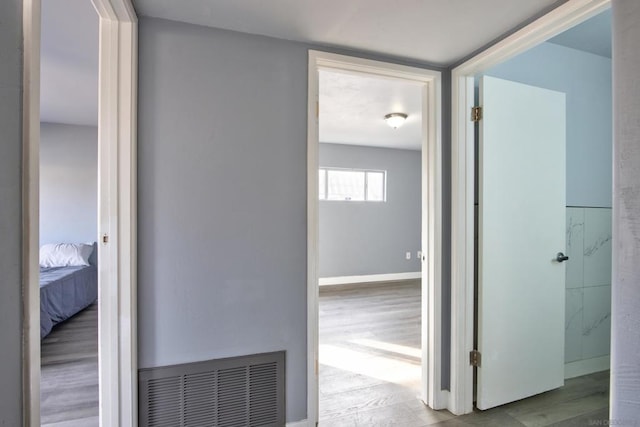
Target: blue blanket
[(64, 291)]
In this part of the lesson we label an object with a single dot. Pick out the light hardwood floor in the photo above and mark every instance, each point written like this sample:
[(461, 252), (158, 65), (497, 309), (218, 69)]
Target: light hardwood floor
[(370, 369), (69, 378)]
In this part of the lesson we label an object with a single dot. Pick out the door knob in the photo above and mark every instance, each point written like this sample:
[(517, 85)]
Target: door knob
[(561, 257)]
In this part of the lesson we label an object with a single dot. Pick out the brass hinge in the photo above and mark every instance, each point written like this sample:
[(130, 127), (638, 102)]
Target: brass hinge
[(475, 358), (476, 114)]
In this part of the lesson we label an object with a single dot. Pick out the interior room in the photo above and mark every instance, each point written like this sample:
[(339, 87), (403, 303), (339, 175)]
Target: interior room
[(68, 214), (210, 110), (369, 248)]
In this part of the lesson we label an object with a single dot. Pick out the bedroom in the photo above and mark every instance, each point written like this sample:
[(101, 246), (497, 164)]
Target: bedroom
[(68, 214)]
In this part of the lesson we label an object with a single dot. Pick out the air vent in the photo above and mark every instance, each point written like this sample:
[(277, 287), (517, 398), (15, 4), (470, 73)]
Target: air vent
[(246, 391)]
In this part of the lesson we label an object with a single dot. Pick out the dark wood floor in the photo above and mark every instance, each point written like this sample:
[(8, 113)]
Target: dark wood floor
[(69, 378), (370, 370)]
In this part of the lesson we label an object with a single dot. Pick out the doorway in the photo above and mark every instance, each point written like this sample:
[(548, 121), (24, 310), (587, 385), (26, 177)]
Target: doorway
[(577, 65), (68, 213), (369, 247), (562, 18), (116, 211), (430, 82)]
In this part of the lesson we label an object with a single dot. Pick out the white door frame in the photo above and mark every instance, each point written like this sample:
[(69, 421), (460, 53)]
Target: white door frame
[(431, 208), (117, 338), (462, 180)]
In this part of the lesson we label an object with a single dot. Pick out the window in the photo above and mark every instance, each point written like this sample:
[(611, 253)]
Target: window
[(355, 185)]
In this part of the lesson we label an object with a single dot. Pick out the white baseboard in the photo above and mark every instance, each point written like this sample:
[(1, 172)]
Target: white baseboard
[(345, 280), (587, 366), (301, 423)]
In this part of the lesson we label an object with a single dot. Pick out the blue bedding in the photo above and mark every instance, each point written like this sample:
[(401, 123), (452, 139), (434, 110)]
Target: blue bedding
[(64, 291)]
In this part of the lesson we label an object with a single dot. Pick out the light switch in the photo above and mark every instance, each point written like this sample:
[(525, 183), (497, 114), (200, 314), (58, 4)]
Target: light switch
[(408, 255)]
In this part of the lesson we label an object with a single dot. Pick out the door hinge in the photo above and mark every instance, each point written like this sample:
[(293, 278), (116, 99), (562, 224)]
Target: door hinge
[(317, 109), (475, 358), (476, 114)]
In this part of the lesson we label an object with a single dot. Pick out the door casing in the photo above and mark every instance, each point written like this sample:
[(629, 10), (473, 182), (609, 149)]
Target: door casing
[(117, 121), (569, 14), (431, 82)]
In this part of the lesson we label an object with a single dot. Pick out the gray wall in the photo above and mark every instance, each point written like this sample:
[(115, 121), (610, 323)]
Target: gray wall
[(68, 183), (222, 197), (586, 79), (625, 347), (359, 238), (10, 211)]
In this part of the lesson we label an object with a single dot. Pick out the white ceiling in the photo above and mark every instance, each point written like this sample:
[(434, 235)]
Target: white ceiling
[(69, 62), (352, 110), (352, 107), (435, 31)]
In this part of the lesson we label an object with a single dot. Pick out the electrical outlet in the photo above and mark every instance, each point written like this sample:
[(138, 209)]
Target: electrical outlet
[(419, 254), (408, 255)]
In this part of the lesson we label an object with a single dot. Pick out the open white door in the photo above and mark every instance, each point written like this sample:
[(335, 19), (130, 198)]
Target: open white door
[(521, 230)]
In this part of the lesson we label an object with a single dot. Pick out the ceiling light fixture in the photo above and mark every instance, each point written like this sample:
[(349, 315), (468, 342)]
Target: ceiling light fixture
[(395, 120)]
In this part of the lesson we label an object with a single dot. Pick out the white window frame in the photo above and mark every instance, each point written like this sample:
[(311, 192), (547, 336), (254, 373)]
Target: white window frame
[(366, 184)]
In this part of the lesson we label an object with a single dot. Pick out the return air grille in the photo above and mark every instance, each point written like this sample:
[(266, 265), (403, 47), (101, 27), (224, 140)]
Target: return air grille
[(245, 391)]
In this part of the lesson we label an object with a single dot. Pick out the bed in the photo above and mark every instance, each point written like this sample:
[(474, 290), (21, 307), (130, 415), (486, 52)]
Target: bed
[(66, 290)]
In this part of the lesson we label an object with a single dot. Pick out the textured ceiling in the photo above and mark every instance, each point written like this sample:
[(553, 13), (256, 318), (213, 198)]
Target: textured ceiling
[(352, 110), (435, 31), (352, 107), (69, 62)]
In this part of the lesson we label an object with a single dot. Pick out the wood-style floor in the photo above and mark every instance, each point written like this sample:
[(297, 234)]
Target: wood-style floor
[(370, 370), (69, 378)]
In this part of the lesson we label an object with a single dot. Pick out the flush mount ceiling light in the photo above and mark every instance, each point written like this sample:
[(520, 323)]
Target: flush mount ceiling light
[(395, 120)]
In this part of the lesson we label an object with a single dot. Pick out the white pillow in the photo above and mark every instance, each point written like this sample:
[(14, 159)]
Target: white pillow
[(65, 254)]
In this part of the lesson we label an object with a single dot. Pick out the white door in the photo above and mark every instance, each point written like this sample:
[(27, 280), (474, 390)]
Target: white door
[(521, 230)]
